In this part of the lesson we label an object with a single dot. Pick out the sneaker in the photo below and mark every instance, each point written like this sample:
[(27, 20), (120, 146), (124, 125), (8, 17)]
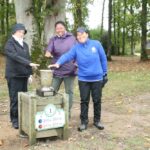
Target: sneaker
[(98, 125), (82, 127)]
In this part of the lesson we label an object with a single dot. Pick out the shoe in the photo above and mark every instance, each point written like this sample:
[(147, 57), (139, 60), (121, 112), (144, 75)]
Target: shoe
[(99, 125), (82, 127), (15, 125)]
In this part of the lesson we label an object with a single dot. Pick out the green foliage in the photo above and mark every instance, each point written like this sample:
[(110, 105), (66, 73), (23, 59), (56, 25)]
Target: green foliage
[(80, 12), (38, 57), (3, 40), (39, 13), (7, 19), (40, 10), (37, 52), (127, 17), (96, 34)]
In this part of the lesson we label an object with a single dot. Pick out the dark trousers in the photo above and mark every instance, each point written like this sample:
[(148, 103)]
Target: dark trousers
[(95, 89), (15, 85)]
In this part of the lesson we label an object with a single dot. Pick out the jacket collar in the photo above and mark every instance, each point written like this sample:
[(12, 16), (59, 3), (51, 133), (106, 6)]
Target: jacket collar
[(85, 43), (64, 36), (17, 42)]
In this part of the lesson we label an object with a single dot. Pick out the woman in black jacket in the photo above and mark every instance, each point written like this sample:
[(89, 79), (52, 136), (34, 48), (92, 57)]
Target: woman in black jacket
[(18, 68)]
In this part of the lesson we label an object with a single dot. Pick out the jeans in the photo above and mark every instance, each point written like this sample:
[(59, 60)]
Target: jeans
[(95, 89), (68, 82)]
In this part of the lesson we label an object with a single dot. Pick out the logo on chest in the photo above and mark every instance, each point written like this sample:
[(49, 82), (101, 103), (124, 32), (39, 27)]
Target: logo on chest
[(93, 50)]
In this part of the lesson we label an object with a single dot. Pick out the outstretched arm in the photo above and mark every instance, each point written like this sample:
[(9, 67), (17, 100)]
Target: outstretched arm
[(11, 52), (71, 55), (54, 66)]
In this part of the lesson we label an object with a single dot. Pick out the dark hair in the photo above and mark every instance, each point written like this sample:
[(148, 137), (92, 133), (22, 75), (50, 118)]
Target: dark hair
[(60, 22)]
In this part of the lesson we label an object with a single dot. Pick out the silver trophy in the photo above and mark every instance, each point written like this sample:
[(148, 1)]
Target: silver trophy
[(45, 78)]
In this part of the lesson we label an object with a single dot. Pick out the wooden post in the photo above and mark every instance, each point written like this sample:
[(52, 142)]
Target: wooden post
[(20, 112), (66, 109), (32, 112)]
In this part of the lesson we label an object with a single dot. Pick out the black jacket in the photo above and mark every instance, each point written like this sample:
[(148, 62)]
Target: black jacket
[(17, 59)]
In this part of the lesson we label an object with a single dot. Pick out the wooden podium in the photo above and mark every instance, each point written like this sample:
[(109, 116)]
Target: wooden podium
[(30, 104)]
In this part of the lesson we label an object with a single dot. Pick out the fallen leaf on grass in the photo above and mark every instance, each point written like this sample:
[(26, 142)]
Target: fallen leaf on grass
[(130, 111), (147, 139), (70, 127), (44, 145), (147, 145), (76, 108), (129, 100), (5, 110), (26, 145), (119, 102), (1, 142), (72, 139), (121, 94), (129, 126)]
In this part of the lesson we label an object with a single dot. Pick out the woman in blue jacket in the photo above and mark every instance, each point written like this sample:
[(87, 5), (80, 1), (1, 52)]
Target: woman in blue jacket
[(92, 74)]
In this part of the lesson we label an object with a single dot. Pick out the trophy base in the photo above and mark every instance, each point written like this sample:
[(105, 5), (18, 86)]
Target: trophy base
[(41, 93)]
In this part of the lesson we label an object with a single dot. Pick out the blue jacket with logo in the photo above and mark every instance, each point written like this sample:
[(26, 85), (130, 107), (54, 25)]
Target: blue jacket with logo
[(91, 60)]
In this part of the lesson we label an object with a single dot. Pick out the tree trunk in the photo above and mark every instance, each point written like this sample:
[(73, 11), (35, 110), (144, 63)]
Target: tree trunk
[(144, 30), (7, 16), (114, 25), (101, 33), (77, 14), (118, 28), (132, 40), (50, 20), (109, 46), (24, 15), (3, 17), (124, 28), (132, 32)]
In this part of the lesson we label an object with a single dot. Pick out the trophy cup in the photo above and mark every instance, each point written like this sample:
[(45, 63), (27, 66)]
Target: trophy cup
[(45, 89)]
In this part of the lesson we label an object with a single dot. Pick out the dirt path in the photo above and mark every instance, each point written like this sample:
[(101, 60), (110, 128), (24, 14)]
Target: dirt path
[(126, 128)]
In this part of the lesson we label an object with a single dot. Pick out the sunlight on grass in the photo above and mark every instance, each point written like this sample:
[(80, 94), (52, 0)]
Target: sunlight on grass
[(133, 142), (127, 84)]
